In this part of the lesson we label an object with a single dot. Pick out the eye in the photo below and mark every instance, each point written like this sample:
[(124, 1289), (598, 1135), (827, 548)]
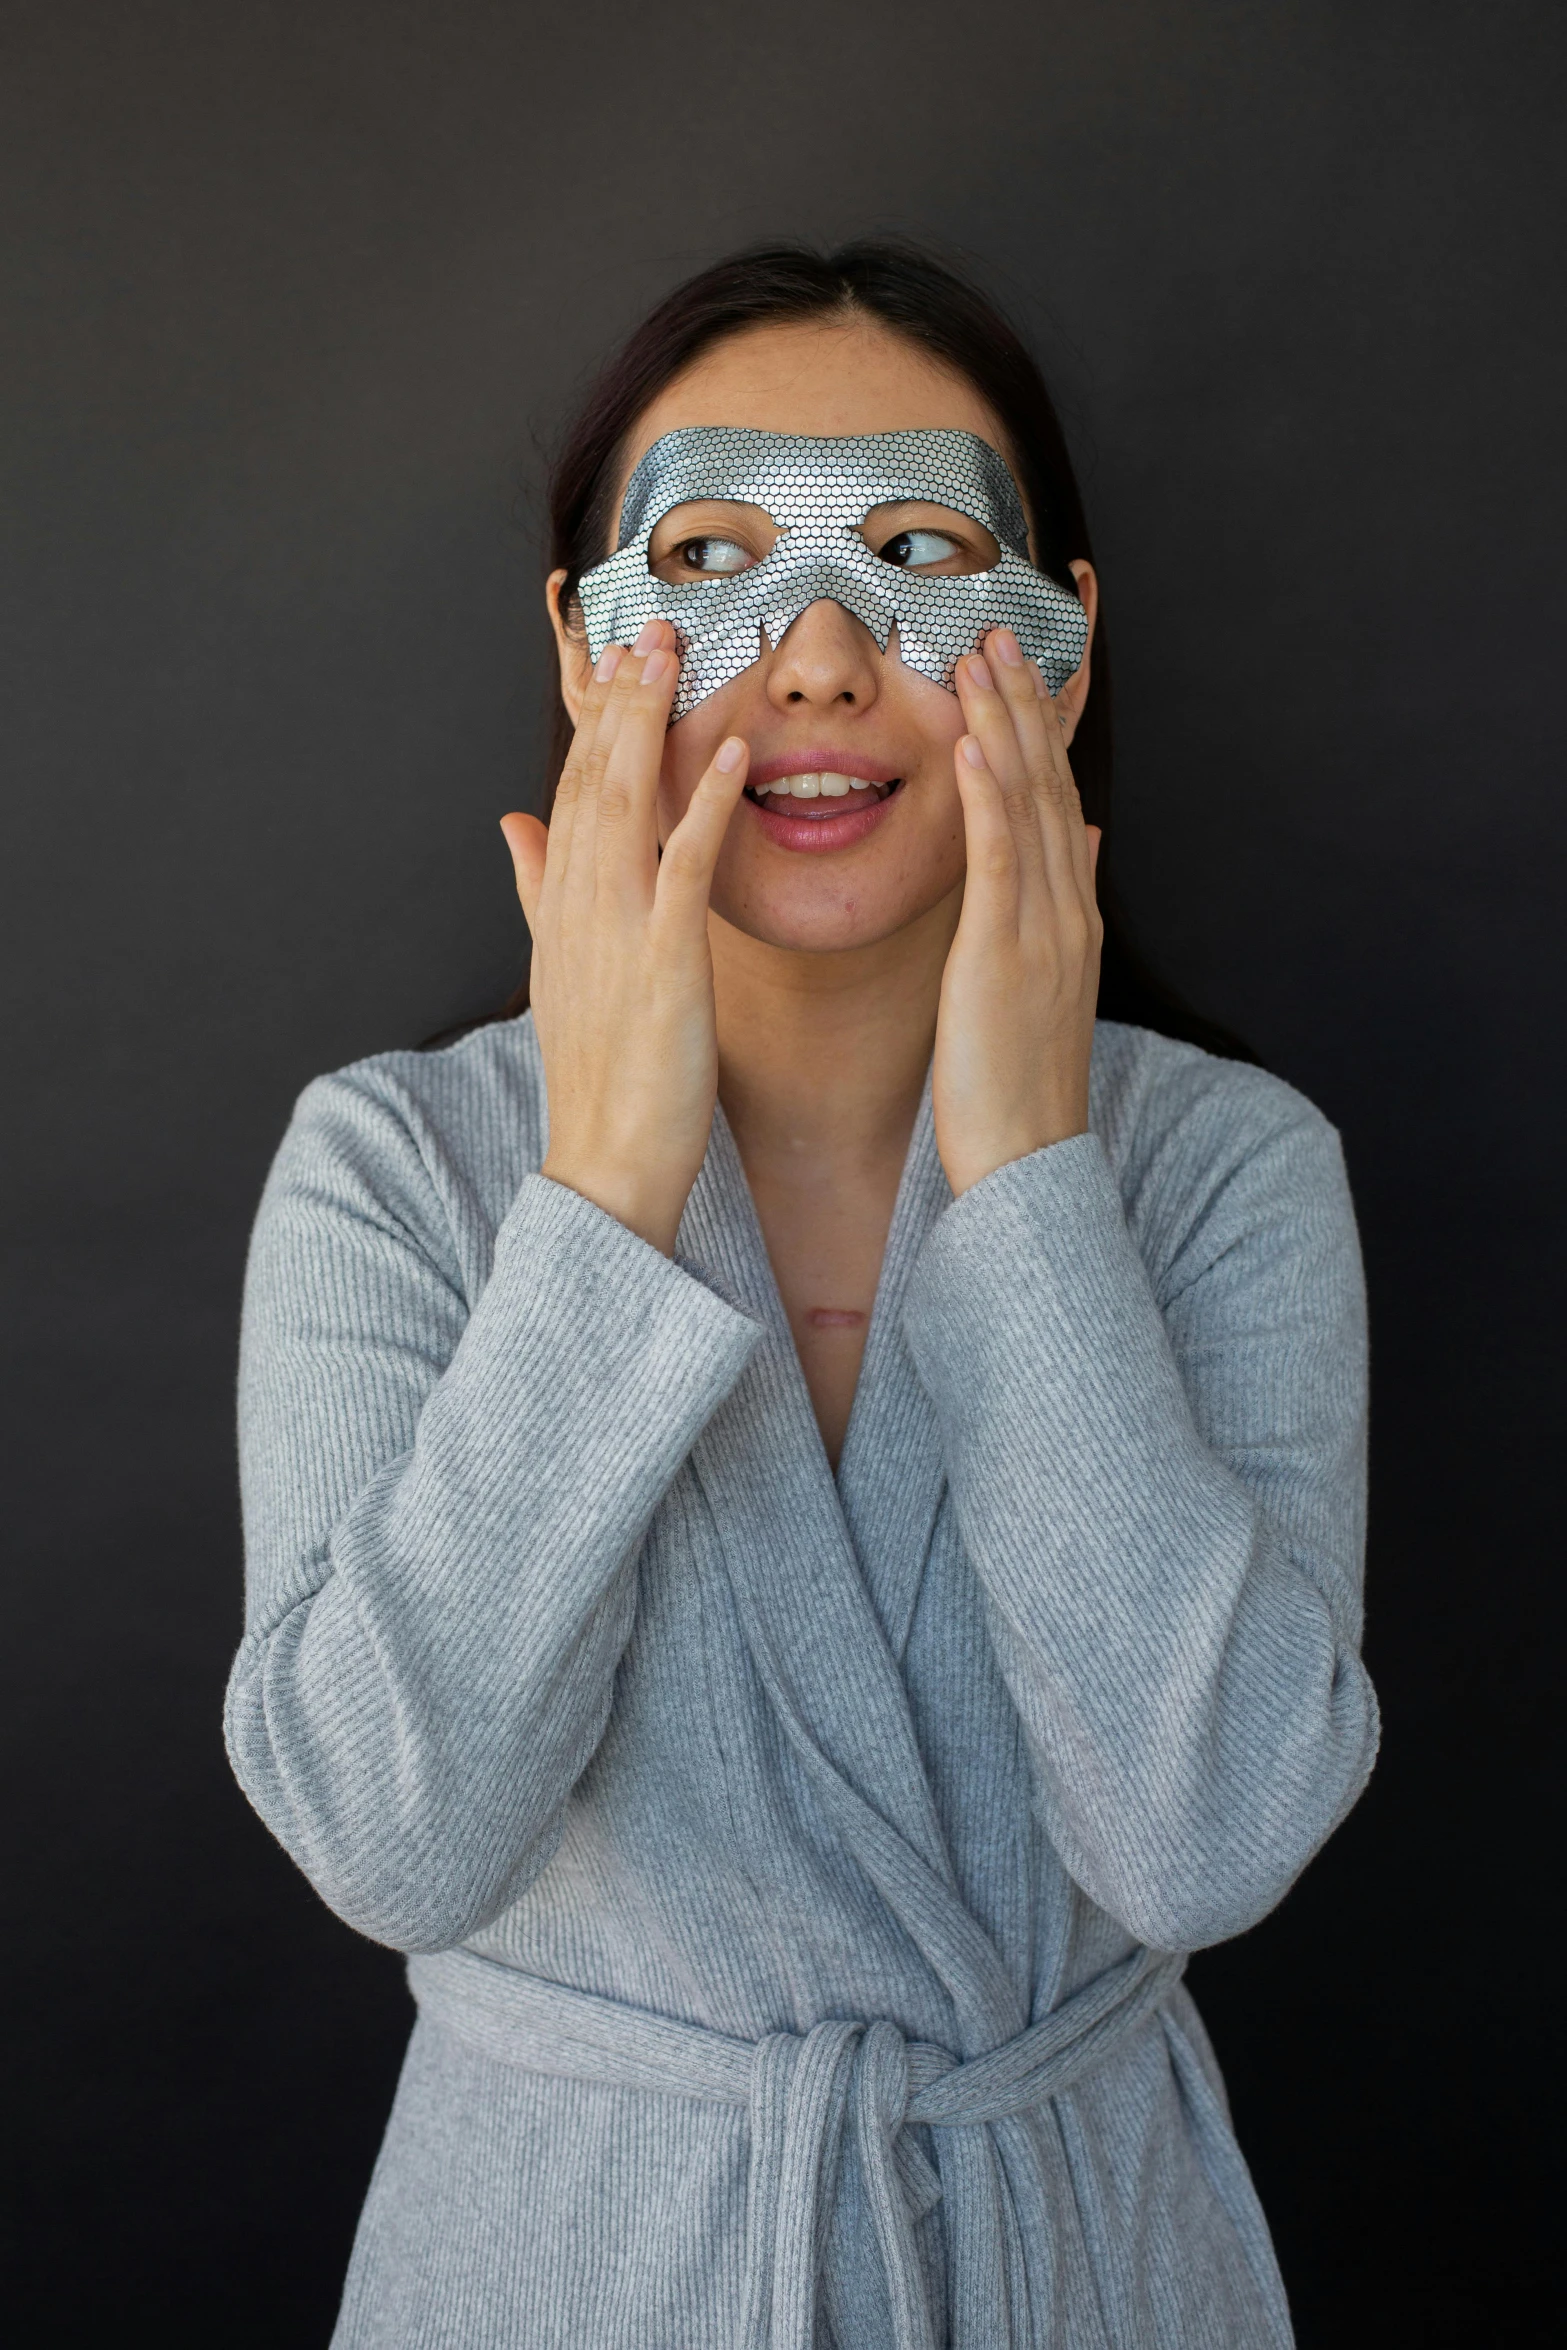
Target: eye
[(911, 550), (712, 558)]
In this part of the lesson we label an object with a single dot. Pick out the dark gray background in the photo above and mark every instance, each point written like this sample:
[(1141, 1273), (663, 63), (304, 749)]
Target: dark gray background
[(295, 297)]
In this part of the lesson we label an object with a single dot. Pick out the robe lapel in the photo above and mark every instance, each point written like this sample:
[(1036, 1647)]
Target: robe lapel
[(892, 1476), (815, 1636), (761, 1463)]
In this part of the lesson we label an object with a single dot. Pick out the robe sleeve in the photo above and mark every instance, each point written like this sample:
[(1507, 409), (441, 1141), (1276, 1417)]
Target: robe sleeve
[(443, 1512), (1156, 1455)]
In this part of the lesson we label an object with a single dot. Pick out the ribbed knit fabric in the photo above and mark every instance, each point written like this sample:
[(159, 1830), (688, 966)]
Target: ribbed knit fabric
[(565, 1650)]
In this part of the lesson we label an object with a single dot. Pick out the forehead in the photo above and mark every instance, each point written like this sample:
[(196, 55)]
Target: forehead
[(827, 379), (812, 484)]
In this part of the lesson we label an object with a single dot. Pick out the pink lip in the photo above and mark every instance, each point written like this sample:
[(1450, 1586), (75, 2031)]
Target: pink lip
[(819, 832)]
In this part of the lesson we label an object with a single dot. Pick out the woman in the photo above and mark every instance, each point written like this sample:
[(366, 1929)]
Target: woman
[(804, 1501)]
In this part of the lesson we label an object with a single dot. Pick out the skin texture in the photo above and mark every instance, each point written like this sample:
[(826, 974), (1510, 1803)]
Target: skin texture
[(689, 949)]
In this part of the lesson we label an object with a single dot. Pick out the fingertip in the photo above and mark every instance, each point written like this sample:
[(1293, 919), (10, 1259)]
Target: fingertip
[(970, 752), (732, 754)]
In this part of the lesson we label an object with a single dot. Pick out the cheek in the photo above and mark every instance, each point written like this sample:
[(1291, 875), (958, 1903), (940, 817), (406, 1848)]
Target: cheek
[(929, 716), (689, 749)]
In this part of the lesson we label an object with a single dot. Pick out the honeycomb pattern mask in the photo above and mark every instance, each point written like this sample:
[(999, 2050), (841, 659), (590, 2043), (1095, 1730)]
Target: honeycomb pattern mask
[(818, 492)]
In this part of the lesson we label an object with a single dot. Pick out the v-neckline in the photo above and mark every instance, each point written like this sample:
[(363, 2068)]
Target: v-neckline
[(826, 1571), (890, 1476)]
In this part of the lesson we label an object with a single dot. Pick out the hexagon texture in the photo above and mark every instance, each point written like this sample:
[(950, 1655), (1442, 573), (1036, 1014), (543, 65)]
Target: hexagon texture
[(818, 492)]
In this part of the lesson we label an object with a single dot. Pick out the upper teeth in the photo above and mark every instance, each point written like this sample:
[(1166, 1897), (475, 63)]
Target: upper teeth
[(810, 787)]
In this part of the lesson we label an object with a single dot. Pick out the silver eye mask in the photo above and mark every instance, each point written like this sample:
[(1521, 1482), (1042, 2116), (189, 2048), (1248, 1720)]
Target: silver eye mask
[(818, 492)]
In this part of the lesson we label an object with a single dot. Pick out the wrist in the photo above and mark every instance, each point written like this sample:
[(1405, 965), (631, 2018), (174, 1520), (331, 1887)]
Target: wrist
[(626, 1195), (976, 1158)]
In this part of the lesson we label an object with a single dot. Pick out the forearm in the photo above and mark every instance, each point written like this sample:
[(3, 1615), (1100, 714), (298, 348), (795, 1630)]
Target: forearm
[(414, 1702), (1178, 1638)]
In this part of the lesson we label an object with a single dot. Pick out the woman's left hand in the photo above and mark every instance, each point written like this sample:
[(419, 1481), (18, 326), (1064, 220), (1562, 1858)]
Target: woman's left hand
[(1015, 1031)]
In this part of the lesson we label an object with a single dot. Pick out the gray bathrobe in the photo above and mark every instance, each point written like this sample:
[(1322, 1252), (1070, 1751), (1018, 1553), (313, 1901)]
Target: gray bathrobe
[(796, 1869)]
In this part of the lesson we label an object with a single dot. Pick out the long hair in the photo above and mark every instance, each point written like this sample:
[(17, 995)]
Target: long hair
[(904, 289)]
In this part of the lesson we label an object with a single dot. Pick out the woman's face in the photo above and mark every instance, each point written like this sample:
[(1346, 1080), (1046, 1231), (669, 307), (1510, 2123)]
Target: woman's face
[(881, 844)]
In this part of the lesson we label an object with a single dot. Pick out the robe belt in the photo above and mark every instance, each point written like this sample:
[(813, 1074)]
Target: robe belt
[(808, 2096)]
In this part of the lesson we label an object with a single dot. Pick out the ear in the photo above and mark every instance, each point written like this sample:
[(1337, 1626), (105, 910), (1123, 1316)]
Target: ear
[(575, 667), (1074, 694)]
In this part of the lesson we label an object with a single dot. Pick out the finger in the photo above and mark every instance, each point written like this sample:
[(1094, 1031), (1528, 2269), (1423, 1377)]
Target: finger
[(598, 765), (685, 870), (1054, 736), (568, 789), (1043, 744), (611, 691), (994, 876), (1061, 813), (991, 723), (1035, 716), (590, 720), (1033, 723), (626, 833), (528, 842)]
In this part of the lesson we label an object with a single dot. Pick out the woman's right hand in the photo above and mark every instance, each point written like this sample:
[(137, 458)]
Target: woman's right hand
[(622, 984)]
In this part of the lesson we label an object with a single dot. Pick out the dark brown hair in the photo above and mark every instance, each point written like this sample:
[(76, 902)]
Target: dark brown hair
[(905, 289)]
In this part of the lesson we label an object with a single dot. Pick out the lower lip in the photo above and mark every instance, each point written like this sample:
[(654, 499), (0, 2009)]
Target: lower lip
[(816, 833)]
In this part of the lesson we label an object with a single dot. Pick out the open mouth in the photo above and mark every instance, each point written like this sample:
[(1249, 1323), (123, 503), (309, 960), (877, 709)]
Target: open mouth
[(819, 796)]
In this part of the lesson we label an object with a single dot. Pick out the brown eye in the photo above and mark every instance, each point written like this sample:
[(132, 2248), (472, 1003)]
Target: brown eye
[(713, 558), (911, 550)]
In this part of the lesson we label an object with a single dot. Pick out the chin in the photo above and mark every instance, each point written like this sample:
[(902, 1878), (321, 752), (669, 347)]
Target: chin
[(825, 913)]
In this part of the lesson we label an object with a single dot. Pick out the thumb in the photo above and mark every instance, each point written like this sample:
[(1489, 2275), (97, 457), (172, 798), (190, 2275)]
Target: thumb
[(527, 840)]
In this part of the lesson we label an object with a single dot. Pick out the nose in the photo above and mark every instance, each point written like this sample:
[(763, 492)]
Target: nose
[(826, 657)]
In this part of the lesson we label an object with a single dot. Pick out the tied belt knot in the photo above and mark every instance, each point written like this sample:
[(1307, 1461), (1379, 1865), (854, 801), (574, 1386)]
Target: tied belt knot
[(833, 2119)]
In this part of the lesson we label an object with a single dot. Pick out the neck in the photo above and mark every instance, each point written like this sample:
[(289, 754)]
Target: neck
[(822, 1057)]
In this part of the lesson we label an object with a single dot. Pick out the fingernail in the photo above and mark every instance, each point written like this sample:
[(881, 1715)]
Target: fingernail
[(979, 672), (608, 663), (730, 754), (646, 638), (971, 751), (1006, 647), (655, 668)]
